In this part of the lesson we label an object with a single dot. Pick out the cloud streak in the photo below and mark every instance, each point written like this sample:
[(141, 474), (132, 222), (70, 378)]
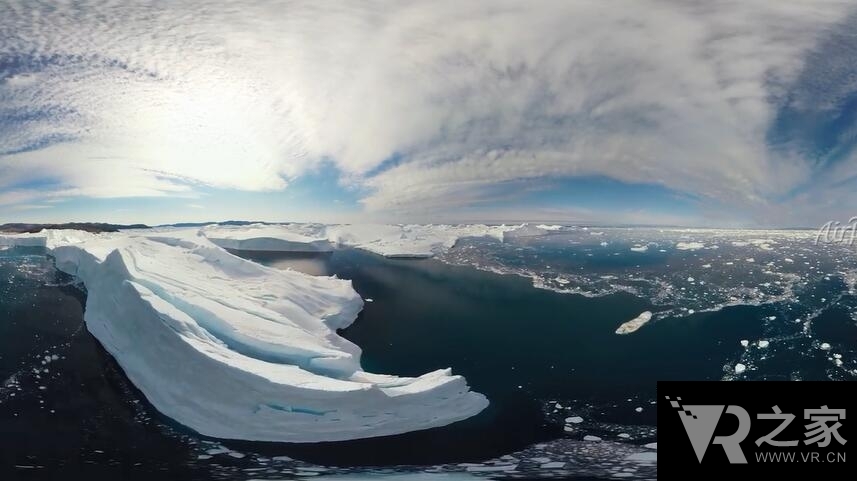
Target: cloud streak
[(426, 106)]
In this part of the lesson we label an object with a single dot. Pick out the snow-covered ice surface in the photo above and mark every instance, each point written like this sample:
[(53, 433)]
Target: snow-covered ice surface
[(236, 350), (412, 241), (263, 237)]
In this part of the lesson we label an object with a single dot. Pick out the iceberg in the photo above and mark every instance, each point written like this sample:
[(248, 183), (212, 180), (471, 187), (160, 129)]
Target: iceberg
[(236, 350), (689, 246), (263, 237), (410, 241), (631, 326)]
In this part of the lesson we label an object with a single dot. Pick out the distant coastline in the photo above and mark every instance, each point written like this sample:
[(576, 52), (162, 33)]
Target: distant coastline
[(94, 227)]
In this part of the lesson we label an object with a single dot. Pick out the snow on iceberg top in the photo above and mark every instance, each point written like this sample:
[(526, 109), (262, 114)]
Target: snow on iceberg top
[(386, 240), (233, 349)]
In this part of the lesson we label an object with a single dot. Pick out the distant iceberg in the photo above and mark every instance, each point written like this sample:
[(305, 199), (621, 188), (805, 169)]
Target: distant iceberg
[(236, 350), (689, 246), (412, 241), (263, 237)]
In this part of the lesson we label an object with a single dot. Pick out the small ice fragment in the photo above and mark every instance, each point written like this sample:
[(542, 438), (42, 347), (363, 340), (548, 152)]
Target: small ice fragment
[(837, 362), (574, 420), (837, 356), (739, 368), (745, 343), (624, 435), (690, 279), (763, 344), (369, 299), (825, 346), (590, 437), (643, 457), (651, 446), (553, 465), (638, 409)]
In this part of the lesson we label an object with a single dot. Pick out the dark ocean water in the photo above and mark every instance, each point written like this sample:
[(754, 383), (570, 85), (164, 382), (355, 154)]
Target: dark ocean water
[(538, 355)]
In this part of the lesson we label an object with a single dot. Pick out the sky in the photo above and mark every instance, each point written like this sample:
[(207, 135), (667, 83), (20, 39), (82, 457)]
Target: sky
[(716, 113)]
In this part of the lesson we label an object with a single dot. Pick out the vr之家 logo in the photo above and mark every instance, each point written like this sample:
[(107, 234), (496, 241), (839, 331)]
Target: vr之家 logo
[(752, 428), (700, 421)]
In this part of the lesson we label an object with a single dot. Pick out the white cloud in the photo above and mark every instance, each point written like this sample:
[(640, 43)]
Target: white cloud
[(155, 98)]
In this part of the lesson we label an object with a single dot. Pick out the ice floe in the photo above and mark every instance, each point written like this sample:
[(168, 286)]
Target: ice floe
[(689, 246), (631, 326)]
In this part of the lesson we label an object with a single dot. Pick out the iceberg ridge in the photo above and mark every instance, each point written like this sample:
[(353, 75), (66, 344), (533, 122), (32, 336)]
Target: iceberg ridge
[(236, 350), (413, 240)]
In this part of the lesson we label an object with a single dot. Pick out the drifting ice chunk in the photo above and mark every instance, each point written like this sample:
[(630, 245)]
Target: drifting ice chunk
[(739, 368), (745, 343), (689, 246), (825, 346), (642, 457), (574, 420), (763, 344), (635, 323)]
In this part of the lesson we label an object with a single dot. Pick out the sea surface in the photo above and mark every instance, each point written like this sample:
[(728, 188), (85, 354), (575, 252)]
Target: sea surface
[(529, 322)]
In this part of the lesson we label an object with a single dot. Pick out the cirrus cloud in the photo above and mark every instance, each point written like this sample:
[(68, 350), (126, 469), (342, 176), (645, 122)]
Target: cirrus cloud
[(425, 106)]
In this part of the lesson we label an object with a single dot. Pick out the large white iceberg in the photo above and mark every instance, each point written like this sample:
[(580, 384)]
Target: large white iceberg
[(265, 237), (386, 240), (233, 349)]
